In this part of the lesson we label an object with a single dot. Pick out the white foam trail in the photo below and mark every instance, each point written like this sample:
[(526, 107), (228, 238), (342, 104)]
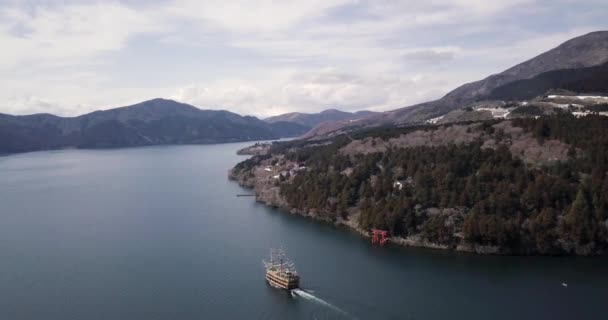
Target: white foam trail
[(310, 297)]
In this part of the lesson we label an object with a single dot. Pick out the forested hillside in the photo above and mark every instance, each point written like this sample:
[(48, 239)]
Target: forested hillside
[(523, 186), (592, 79)]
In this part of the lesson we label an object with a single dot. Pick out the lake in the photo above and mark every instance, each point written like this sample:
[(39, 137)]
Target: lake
[(158, 233)]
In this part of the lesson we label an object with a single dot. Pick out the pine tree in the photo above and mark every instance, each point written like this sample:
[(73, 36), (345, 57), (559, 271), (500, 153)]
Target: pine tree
[(543, 225), (578, 223)]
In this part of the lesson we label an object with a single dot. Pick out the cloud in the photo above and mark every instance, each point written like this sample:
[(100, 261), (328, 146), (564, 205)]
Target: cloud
[(266, 57), (67, 34), (430, 56), (31, 105), (248, 17), (311, 91)]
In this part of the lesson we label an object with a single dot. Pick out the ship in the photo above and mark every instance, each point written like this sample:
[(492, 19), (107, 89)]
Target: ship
[(281, 272)]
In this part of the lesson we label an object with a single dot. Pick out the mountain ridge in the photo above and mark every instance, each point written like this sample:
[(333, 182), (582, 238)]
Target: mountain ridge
[(586, 51), (151, 122), (314, 119)]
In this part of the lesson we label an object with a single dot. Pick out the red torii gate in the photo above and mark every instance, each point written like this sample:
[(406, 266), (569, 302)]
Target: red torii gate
[(379, 236)]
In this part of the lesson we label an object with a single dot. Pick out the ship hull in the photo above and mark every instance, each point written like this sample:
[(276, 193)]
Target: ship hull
[(282, 282)]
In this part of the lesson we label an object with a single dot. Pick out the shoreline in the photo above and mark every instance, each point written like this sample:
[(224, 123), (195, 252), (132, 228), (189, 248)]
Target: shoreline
[(275, 201)]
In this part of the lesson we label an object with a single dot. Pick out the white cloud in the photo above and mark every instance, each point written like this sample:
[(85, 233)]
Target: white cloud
[(430, 55), (65, 34), (247, 17), (266, 57), (313, 91)]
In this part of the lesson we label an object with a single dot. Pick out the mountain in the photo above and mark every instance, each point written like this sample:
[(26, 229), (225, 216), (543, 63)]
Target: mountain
[(587, 80), (578, 65), (313, 119), (152, 122), (586, 51)]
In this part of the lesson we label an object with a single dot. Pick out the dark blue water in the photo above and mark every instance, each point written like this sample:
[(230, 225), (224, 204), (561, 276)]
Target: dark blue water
[(157, 233)]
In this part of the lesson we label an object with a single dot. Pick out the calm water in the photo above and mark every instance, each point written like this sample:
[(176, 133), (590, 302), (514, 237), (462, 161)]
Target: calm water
[(157, 233)]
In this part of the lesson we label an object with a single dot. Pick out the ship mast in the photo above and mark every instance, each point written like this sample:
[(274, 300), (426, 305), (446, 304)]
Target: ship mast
[(279, 262)]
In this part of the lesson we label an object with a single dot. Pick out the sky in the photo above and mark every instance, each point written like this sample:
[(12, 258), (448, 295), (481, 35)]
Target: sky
[(268, 57)]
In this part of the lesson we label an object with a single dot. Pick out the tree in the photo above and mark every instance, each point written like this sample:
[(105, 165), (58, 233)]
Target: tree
[(511, 204), (542, 228), (541, 131), (578, 223), (343, 203), (470, 227)]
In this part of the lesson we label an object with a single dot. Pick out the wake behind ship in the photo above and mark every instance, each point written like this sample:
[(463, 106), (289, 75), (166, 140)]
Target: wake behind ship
[(280, 271)]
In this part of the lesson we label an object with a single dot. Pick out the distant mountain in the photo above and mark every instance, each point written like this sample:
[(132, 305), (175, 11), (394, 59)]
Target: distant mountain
[(153, 122), (578, 65), (582, 80), (313, 119), (586, 51)]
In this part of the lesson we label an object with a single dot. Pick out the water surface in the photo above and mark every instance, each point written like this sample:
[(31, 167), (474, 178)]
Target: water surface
[(158, 233)]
